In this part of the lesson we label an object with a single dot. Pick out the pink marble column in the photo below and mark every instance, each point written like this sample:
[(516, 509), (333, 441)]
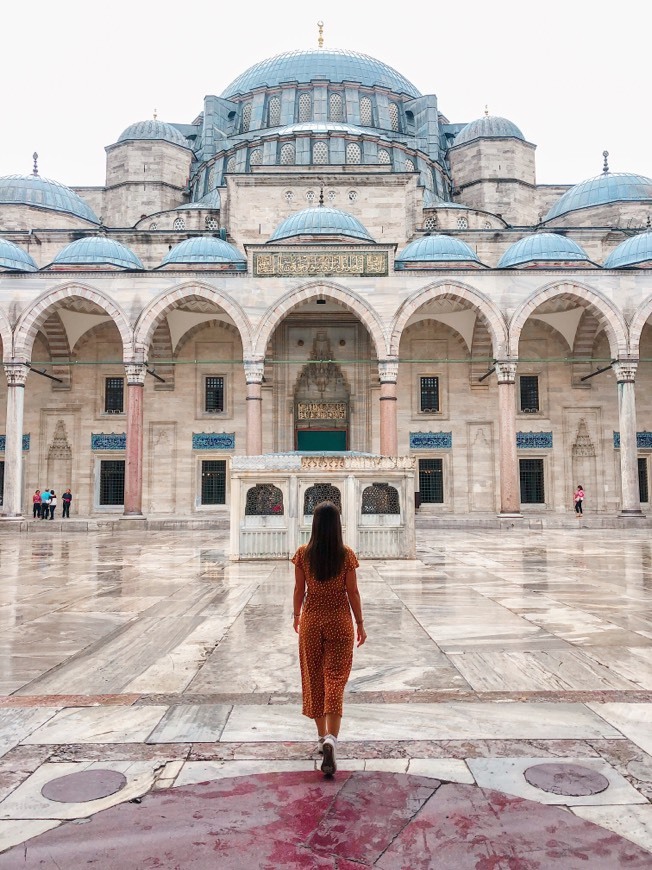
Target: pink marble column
[(134, 457), (13, 493), (254, 370), (510, 489), (630, 502), (388, 373)]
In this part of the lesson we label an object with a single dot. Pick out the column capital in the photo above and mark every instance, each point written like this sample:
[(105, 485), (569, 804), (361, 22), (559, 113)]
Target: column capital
[(506, 371), (388, 371), (16, 374), (625, 370), (254, 370), (135, 373)]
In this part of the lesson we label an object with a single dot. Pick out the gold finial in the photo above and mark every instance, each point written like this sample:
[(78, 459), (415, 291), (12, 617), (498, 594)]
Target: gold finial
[(486, 110), (35, 159), (155, 115), (605, 165), (320, 38)]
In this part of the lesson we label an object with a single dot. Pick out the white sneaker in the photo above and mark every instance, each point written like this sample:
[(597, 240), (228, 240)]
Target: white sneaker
[(320, 745), (329, 764)]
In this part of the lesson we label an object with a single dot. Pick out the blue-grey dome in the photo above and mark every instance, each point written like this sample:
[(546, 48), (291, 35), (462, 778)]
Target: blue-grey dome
[(97, 251), (330, 64), (631, 252), (488, 127), (154, 129), (321, 221), (601, 190), (542, 247), (206, 250), (44, 193), (435, 249), (14, 258)]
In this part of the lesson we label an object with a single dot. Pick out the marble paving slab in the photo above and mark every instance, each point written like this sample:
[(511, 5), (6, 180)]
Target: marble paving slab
[(633, 822), (202, 771), (98, 725), (444, 769), (16, 724), (13, 832), (191, 723), (632, 720)]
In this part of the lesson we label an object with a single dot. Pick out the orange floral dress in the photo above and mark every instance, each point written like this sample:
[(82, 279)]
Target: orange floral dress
[(325, 638)]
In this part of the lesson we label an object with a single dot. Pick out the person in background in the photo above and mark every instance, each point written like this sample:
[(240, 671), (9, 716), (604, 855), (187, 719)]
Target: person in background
[(578, 498), (66, 499), (45, 504), (53, 503), (36, 504)]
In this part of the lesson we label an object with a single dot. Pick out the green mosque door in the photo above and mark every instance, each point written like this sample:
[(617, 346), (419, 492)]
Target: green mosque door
[(321, 439)]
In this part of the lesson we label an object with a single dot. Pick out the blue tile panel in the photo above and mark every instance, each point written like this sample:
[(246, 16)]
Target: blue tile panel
[(43, 193), (213, 440), (101, 441), (542, 247), (26, 440), (323, 221), (605, 188), (643, 439), (488, 127), (533, 440), (97, 251), (636, 250), (431, 440), (14, 258)]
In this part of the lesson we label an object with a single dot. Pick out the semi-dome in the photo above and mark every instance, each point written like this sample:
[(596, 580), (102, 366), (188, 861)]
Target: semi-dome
[(631, 252), (329, 64), (97, 251), (44, 193), (605, 188), (437, 248), (488, 127), (205, 250), (542, 247), (14, 258), (153, 129), (321, 221)]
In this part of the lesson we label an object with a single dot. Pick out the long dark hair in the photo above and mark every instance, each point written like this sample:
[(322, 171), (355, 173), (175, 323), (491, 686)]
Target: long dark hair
[(325, 551)]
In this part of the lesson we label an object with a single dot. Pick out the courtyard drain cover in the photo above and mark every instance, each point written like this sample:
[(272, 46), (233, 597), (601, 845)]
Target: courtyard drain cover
[(572, 780), (88, 785)]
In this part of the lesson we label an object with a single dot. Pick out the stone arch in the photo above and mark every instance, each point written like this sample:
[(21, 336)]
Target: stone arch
[(347, 298), (607, 314), (481, 354), (57, 339), (161, 348), (587, 332), (458, 292), (190, 333), (454, 333), (170, 299), (6, 336), (640, 318), (35, 315), (88, 336)]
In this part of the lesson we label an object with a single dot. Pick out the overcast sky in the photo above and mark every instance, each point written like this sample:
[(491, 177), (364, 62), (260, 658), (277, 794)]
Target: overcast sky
[(574, 75)]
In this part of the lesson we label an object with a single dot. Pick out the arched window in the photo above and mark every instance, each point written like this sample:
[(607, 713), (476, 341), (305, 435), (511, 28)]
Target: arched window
[(153, 226), (287, 154), (211, 177), (264, 500), (462, 223), (336, 107), (246, 118), (383, 156), (380, 498), (179, 224), (320, 152), (409, 165), (318, 493), (256, 157), (393, 117), (274, 112), (230, 164), (305, 107), (353, 153), (366, 112)]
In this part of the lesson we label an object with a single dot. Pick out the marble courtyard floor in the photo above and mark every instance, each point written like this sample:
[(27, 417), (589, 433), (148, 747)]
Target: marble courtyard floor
[(500, 715)]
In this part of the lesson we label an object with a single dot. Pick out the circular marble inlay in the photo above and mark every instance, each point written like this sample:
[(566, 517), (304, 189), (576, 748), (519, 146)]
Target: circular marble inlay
[(88, 785), (572, 780)]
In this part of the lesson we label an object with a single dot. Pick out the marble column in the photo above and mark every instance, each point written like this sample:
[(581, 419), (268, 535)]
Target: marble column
[(254, 370), (13, 493), (630, 502), (388, 373), (133, 506), (510, 489)]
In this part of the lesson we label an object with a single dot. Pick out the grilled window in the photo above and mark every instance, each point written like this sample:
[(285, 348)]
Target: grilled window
[(393, 117), (529, 393), (114, 395), (353, 153), (256, 157), (336, 107), (429, 394), (431, 481), (213, 481), (246, 118), (366, 112), (380, 498), (264, 500), (274, 112), (305, 108), (214, 400), (112, 482), (320, 152), (230, 165), (532, 489), (409, 165), (383, 156), (287, 154), (318, 493), (643, 490)]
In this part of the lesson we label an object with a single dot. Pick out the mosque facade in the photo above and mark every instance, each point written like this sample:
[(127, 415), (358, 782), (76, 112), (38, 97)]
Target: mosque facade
[(322, 261)]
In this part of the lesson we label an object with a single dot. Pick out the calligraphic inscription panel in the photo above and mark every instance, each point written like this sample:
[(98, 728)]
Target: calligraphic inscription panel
[(321, 411), (287, 264)]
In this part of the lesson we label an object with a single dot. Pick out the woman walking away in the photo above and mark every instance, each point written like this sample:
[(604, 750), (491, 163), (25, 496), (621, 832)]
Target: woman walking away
[(579, 500), (36, 504), (325, 593)]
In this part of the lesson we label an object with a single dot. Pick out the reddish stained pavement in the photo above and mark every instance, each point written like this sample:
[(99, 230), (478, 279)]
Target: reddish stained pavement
[(300, 820)]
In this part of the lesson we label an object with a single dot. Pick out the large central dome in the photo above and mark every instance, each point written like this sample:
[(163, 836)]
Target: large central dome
[(331, 64)]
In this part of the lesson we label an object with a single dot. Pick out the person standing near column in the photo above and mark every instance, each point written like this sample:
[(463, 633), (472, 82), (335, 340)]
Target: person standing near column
[(36, 504), (66, 498)]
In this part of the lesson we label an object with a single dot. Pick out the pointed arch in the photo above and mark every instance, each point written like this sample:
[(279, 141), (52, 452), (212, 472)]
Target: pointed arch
[(190, 333), (641, 317), (347, 298), (161, 348), (587, 332), (607, 314), (457, 292), (35, 315), (57, 339)]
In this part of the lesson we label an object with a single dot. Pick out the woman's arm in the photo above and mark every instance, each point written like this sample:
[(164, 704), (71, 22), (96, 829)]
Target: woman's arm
[(299, 594), (356, 605)]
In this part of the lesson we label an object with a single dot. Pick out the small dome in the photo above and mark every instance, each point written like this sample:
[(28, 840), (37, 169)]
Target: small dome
[(205, 250), (97, 251), (631, 252), (488, 127), (603, 189), (321, 221), (154, 130), (435, 249), (44, 193), (329, 64), (542, 247), (14, 258)]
